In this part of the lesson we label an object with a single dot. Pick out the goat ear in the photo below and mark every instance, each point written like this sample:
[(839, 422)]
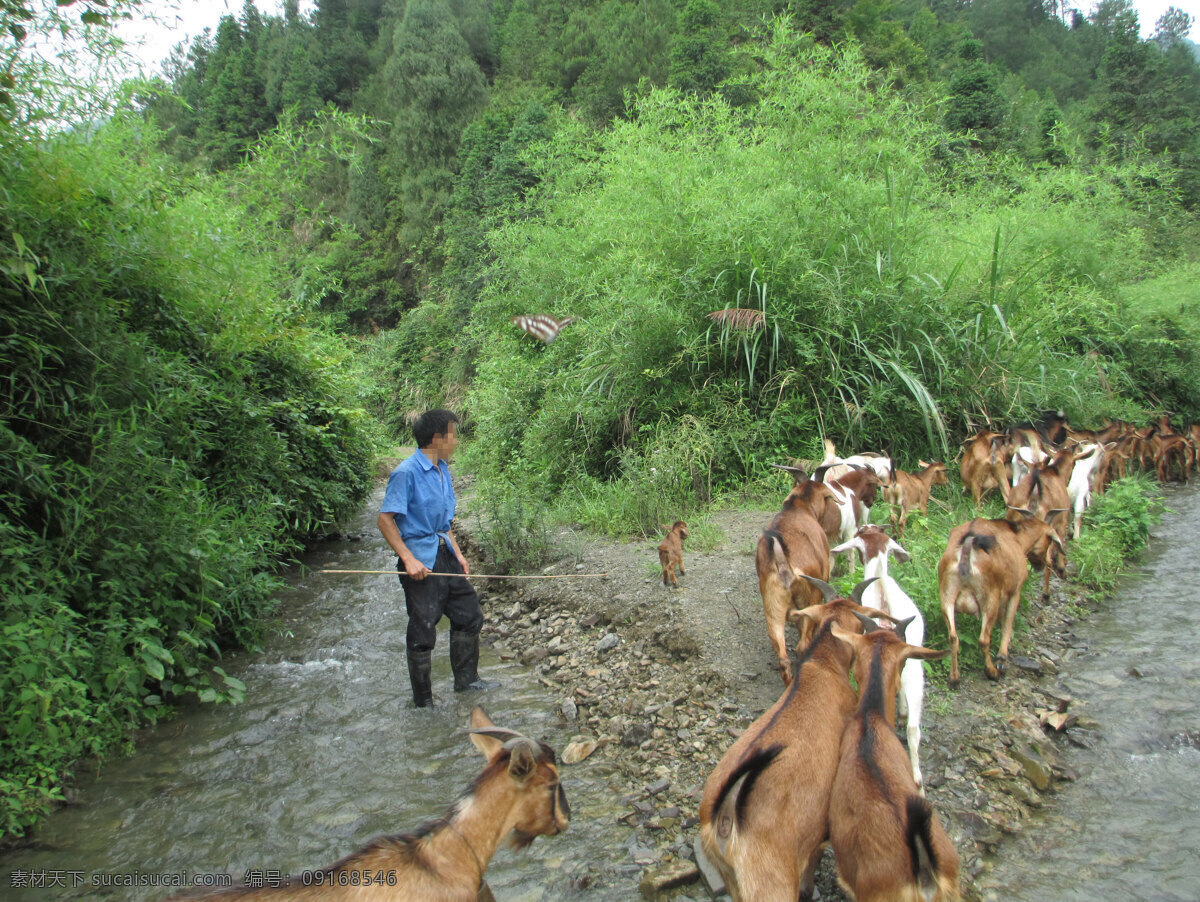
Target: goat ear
[(812, 612), (921, 653), (849, 545), (1025, 512), (522, 762), (898, 551), (844, 635)]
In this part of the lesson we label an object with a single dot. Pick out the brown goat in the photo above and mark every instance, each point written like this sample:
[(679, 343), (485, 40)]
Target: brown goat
[(670, 552), (764, 813), (1043, 490), (982, 572), (517, 795), (984, 464), (794, 544), (889, 845), (910, 491)]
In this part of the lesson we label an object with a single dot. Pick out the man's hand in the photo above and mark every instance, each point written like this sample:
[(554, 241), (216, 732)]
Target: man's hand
[(415, 569), (462, 562)]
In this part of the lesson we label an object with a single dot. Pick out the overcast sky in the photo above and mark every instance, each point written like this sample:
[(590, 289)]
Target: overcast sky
[(183, 20)]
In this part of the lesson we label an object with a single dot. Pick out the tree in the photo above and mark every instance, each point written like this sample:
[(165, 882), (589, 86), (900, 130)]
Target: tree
[(1172, 27), (698, 59), (975, 102)]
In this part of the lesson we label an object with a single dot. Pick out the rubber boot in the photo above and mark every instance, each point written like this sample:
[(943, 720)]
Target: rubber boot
[(420, 666), (464, 661)]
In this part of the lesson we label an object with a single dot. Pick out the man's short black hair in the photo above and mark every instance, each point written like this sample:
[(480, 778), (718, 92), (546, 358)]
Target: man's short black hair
[(431, 423)]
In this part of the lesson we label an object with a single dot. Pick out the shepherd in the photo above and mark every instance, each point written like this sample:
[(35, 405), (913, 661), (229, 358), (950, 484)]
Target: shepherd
[(415, 518)]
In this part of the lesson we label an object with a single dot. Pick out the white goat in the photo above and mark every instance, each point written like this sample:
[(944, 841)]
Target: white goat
[(886, 595), (1088, 457), (1024, 459)]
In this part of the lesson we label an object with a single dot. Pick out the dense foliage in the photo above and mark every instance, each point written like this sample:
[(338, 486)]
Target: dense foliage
[(171, 429)]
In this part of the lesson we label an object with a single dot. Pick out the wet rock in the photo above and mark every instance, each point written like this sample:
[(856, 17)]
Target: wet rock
[(1029, 665), (636, 734), (667, 876), (1035, 769), (569, 709)]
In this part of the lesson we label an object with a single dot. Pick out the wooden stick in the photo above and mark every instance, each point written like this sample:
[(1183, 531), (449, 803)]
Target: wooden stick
[(478, 575)]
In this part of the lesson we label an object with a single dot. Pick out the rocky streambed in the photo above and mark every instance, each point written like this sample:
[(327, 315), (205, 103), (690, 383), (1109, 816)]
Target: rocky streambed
[(657, 684)]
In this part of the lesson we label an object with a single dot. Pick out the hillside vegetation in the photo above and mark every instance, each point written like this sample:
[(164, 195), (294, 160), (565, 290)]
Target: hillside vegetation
[(213, 294)]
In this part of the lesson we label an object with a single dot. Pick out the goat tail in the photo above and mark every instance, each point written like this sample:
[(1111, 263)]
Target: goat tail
[(919, 838), (777, 554), (971, 544)]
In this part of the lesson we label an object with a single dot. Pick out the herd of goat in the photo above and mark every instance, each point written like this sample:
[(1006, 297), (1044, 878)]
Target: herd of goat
[(824, 765)]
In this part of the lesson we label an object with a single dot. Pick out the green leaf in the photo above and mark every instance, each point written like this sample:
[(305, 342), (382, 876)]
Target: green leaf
[(153, 666)]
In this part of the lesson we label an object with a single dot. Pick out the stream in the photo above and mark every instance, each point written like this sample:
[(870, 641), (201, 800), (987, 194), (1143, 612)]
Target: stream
[(327, 752), (1129, 827)]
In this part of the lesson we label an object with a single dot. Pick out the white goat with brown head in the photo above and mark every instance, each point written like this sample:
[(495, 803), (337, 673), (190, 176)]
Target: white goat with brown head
[(886, 595)]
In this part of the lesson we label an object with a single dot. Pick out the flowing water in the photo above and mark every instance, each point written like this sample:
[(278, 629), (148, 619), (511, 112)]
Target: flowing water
[(1129, 828), (325, 753)]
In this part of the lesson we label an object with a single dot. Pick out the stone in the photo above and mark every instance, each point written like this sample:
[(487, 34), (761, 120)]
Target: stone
[(712, 877), (658, 786), (569, 709), (1029, 665), (608, 643), (668, 876), (578, 751), (1036, 770)]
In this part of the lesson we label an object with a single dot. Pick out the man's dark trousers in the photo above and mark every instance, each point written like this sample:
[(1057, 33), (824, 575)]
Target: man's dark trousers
[(427, 601)]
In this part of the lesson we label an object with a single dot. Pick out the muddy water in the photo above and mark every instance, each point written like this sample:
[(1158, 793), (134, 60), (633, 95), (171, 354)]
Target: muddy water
[(1129, 828), (326, 753)]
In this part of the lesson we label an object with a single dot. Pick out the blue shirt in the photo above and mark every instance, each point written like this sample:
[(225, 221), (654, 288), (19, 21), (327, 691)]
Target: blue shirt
[(421, 499)]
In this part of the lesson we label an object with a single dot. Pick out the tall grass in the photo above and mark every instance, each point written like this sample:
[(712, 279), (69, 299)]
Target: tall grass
[(907, 294)]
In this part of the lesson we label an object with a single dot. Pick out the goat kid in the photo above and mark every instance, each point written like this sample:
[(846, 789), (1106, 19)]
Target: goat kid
[(517, 795), (888, 843), (982, 572), (983, 464), (670, 552), (886, 595), (1089, 457), (764, 813), (910, 491)]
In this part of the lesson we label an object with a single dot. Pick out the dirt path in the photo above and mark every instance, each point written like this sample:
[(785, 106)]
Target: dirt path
[(665, 679)]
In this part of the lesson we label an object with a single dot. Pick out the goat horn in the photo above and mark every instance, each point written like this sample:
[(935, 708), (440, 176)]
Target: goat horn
[(827, 590), (869, 625), (819, 473), (902, 626), (857, 594)]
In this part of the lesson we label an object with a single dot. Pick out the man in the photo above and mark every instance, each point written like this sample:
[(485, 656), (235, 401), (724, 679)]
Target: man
[(415, 519)]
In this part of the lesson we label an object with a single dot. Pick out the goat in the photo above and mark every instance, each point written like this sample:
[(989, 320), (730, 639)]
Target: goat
[(1043, 490), (888, 843), (910, 491), (1088, 459), (794, 544), (1168, 449), (983, 464), (855, 493), (764, 812), (670, 552), (517, 795), (982, 572), (1025, 459), (886, 595), (880, 464)]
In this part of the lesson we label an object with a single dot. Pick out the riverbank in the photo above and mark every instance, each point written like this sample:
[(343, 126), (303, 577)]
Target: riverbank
[(662, 681)]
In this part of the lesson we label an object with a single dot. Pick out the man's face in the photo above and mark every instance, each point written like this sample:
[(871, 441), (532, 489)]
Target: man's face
[(445, 443)]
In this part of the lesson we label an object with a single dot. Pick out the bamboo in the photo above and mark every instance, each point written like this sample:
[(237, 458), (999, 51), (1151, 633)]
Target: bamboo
[(479, 575)]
